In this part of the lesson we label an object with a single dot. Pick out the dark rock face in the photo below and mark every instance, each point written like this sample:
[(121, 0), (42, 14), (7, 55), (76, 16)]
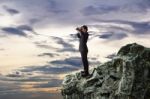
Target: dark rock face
[(126, 76)]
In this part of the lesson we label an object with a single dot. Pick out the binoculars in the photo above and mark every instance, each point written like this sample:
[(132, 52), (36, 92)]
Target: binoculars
[(78, 28)]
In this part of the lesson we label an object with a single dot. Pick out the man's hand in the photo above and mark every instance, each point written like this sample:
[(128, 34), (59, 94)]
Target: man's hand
[(78, 29)]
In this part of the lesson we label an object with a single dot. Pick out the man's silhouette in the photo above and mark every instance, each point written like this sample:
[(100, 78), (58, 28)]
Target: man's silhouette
[(83, 37)]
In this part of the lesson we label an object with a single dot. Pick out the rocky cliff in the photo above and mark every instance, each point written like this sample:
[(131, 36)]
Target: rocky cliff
[(126, 76)]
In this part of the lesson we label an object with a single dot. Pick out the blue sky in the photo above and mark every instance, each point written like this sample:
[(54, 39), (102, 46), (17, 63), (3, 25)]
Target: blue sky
[(39, 46)]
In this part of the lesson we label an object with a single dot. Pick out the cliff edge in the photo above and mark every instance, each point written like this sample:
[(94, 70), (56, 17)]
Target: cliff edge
[(126, 76)]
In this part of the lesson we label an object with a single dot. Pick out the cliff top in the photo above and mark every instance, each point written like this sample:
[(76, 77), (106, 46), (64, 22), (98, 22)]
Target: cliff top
[(125, 76)]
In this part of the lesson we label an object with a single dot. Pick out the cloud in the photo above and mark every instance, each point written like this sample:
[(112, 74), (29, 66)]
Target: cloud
[(2, 49), (61, 41), (51, 83), (15, 74), (20, 80), (55, 67), (138, 27), (2, 35), (11, 11), (47, 69), (30, 95), (14, 31), (9, 90), (113, 36), (55, 12), (66, 45), (27, 28), (19, 30), (49, 11), (72, 61), (53, 7), (119, 29), (105, 36), (42, 44), (13, 87), (102, 7), (96, 10), (29, 77), (48, 54), (33, 21)]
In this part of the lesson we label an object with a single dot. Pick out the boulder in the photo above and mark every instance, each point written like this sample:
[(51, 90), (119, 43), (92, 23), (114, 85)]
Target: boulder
[(126, 76)]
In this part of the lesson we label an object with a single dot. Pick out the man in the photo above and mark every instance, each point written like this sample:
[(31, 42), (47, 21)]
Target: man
[(83, 37)]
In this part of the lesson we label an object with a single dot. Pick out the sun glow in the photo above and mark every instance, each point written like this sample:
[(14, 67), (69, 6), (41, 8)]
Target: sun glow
[(6, 20)]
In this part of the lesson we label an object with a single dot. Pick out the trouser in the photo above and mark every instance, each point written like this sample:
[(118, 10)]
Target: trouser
[(85, 61)]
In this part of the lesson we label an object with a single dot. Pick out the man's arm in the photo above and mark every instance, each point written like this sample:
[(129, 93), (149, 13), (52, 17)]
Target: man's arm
[(78, 35)]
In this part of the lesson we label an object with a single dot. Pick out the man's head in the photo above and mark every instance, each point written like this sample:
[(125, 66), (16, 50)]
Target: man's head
[(84, 28)]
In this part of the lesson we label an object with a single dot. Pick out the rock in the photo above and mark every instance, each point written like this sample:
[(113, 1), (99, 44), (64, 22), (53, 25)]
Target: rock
[(126, 76)]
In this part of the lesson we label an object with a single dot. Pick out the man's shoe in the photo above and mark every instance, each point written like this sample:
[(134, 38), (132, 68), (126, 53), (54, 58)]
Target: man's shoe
[(84, 74), (88, 76)]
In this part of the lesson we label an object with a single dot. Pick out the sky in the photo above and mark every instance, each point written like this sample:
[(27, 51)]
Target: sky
[(39, 45)]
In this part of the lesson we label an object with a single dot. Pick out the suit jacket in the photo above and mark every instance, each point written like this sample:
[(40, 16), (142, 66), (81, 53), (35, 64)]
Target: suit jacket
[(83, 37)]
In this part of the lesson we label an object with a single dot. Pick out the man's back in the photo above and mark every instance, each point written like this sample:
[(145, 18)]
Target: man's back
[(83, 37)]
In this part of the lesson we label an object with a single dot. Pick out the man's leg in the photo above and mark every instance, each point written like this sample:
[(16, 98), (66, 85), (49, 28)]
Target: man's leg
[(85, 62)]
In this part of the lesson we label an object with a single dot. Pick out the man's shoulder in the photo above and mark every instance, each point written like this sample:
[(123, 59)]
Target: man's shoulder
[(87, 33)]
